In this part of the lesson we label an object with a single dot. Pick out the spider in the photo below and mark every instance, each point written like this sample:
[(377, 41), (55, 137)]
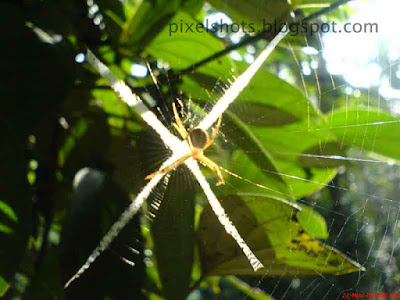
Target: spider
[(198, 141)]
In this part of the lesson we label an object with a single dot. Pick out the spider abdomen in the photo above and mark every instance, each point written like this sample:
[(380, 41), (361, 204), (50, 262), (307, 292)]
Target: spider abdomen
[(198, 138)]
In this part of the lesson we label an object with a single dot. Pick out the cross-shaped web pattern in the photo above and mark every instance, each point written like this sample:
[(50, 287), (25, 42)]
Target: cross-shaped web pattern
[(179, 149)]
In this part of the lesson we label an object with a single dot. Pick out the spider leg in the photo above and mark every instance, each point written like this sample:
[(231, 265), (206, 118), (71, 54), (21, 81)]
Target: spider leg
[(214, 133), (213, 166), (170, 167), (178, 125)]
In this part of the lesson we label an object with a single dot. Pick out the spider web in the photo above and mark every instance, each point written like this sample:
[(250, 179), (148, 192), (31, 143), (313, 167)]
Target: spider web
[(359, 205)]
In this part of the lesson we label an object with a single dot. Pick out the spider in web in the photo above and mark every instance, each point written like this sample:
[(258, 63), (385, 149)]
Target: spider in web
[(198, 141)]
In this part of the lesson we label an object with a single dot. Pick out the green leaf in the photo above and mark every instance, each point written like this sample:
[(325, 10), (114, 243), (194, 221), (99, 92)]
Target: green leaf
[(269, 89), (8, 211), (299, 182), (313, 223), (238, 132), (326, 155), (6, 229), (113, 106), (4, 286), (246, 176), (177, 48), (368, 129), (287, 142), (273, 230), (260, 114), (173, 235), (303, 181)]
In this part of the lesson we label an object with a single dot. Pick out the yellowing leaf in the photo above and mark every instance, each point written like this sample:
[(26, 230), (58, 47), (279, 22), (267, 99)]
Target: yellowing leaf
[(272, 229)]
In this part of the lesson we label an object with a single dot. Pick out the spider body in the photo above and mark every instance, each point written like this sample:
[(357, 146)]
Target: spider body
[(198, 141), (198, 137)]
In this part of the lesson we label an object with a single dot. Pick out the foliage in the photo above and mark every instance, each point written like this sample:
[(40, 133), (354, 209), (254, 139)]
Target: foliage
[(59, 117)]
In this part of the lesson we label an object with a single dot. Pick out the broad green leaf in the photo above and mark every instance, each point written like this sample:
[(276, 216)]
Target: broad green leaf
[(367, 129), (177, 48), (287, 142), (173, 235), (238, 132), (260, 114), (303, 181), (269, 89), (247, 176), (272, 229)]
